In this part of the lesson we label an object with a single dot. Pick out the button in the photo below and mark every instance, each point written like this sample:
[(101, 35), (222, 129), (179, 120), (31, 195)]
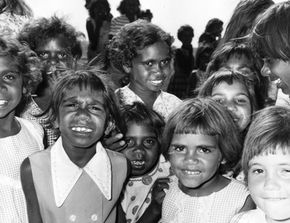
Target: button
[(94, 217), (72, 218)]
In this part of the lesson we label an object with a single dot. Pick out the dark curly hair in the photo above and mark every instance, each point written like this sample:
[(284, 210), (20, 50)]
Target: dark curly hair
[(37, 32), (133, 37), (26, 65)]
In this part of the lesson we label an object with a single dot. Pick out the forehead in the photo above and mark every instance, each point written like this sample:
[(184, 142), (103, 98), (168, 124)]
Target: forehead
[(224, 87), (138, 129), (82, 91), (8, 63), (53, 44), (157, 50)]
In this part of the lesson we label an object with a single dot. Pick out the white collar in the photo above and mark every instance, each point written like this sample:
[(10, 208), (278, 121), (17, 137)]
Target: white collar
[(65, 173)]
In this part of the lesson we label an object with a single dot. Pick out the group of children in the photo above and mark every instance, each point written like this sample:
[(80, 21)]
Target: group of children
[(73, 150)]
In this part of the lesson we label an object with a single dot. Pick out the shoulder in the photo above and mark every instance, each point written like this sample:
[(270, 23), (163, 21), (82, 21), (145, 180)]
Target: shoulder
[(249, 217), (170, 97)]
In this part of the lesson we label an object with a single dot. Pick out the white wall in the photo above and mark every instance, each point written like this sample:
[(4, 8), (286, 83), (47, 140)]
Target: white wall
[(169, 14)]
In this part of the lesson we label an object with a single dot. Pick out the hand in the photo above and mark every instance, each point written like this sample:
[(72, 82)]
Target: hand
[(114, 142), (158, 190)]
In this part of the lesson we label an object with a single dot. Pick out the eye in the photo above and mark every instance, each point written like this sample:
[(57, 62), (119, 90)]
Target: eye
[(130, 142), (62, 55), (10, 76), (95, 108), (148, 63), (286, 172), (178, 148), (43, 55), (204, 149), (165, 62), (257, 171), (149, 142), (242, 100), (219, 100)]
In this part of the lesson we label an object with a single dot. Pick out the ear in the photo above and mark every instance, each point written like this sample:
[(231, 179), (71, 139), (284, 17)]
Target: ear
[(24, 90), (127, 68)]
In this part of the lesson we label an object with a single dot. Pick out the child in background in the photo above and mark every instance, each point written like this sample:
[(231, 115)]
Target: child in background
[(143, 50), (76, 179), (201, 143), (240, 57), (143, 194), (234, 90), (266, 163), (55, 42), (18, 137)]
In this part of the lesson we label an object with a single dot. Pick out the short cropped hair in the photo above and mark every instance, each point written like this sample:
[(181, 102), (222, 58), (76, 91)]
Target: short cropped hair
[(183, 29), (93, 79), (39, 31), (133, 37), (207, 117), (139, 113), (268, 132), (20, 57), (270, 35), (122, 8), (212, 24), (226, 75)]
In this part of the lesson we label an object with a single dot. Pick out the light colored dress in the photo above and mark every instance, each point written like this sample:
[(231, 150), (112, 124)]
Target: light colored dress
[(218, 207), (252, 216), (10, 25), (117, 23), (67, 193), (164, 104), (14, 149), (137, 193)]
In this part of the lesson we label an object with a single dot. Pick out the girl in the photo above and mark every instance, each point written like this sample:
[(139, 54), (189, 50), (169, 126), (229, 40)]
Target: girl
[(55, 43), (143, 193), (201, 143), (143, 51), (76, 179), (266, 163), (235, 90), (18, 137)]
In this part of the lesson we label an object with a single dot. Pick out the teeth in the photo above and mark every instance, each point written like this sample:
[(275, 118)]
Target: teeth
[(278, 81), (157, 82), (81, 129), (3, 102), (195, 172), (138, 163)]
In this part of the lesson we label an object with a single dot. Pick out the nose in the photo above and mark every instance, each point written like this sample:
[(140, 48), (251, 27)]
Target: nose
[(265, 70), (191, 156), (139, 152), (271, 182), (231, 107), (83, 114), (2, 85)]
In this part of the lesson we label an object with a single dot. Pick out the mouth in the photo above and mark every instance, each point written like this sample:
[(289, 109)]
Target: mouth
[(79, 129), (191, 172), (3, 102), (274, 198), (138, 164), (157, 82)]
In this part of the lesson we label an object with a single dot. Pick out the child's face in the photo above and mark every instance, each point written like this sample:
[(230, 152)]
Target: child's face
[(82, 118), (151, 67), (236, 99), (195, 159), (279, 70), (143, 148), (54, 56), (10, 87), (269, 184)]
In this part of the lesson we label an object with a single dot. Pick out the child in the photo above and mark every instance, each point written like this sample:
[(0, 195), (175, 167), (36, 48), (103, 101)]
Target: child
[(18, 137), (143, 136), (239, 56), (270, 38), (76, 179), (266, 163), (143, 51), (201, 143), (235, 90), (55, 42)]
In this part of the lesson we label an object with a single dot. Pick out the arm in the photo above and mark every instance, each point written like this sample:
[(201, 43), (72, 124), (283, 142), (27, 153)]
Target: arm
[(153, 213), (33, 211), (248, 205)]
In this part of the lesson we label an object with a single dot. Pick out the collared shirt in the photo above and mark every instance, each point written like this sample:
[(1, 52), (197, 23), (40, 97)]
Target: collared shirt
[(65, 173), (164, 104)]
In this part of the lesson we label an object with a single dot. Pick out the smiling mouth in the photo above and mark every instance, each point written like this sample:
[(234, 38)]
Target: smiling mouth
[(157, 82), (138, 164), (81, 129), (3, 102), (192, 172)]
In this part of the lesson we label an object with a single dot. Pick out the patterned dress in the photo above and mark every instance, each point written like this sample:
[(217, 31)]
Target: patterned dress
[(164, 104), (218, 207), (14, 149), (252, 216)]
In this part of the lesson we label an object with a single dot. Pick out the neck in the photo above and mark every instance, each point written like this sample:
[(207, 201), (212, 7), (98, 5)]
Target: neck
[(9, 125), (147, 96)]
